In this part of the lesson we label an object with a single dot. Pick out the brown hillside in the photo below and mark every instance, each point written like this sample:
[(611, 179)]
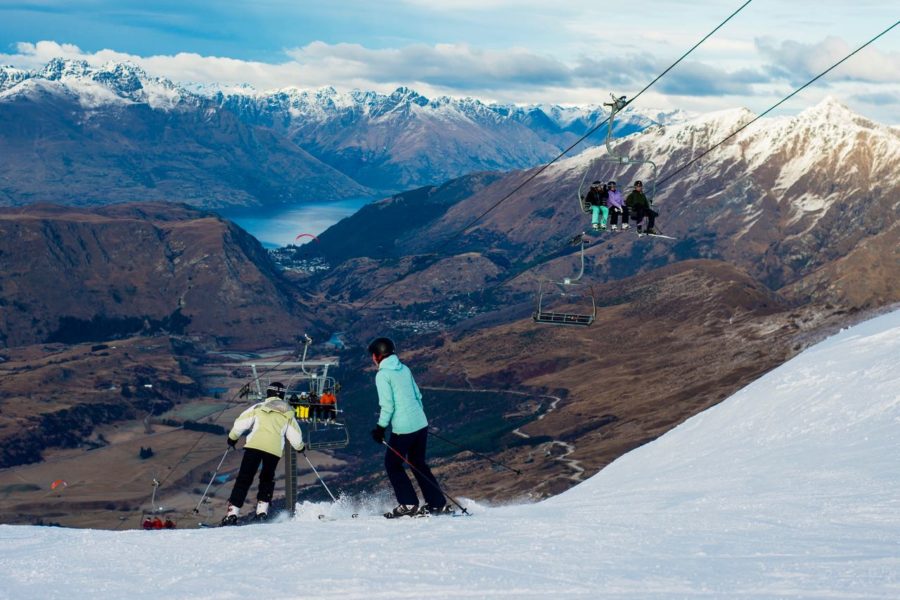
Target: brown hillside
[(71, 275), (666, 345)]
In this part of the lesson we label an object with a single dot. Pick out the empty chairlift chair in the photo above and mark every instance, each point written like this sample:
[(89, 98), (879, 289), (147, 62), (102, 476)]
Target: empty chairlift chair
[(566, 302)]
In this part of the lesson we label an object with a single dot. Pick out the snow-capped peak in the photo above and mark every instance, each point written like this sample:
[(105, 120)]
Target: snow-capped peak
[(829, 109), (10, 76), (95, 86), (59, 68)]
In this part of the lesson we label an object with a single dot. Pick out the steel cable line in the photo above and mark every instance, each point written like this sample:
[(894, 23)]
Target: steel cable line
[(544, 167), (551, 256), (771, 108)]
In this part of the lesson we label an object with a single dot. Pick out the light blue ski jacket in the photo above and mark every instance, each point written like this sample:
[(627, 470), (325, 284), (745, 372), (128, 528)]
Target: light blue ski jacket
[(399, 397)]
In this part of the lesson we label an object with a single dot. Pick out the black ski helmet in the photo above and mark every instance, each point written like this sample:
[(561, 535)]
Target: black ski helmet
[(381, 347), (276, 388)]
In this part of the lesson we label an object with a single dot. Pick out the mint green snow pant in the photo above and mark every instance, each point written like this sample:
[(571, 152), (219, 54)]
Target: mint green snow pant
[(595, 215)]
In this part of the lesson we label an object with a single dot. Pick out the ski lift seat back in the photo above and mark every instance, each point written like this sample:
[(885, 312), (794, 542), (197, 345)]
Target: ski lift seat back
[(547, 315)]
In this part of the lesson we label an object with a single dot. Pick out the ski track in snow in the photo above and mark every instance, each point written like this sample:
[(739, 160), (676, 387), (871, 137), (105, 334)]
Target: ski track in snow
[(790, 488)]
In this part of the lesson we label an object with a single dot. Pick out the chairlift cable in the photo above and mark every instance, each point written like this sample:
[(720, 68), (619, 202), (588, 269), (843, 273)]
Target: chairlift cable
[(731, 135), (544, 167), (773, 107)]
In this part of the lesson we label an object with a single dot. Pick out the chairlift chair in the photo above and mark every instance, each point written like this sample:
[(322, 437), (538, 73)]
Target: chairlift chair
[(547, 316), (615, 106), (567, 288), (158, 517), (315, 402), (314, 396)]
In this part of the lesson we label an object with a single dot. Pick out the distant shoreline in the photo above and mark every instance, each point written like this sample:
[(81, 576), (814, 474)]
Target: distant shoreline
[(277, 227)]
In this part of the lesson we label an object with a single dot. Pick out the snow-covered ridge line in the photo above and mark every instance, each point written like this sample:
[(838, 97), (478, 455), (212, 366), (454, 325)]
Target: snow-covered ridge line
[(131, 82)]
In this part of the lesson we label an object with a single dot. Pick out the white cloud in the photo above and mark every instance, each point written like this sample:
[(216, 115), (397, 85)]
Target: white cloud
[(799, 62), (457, 66), (523, 76)]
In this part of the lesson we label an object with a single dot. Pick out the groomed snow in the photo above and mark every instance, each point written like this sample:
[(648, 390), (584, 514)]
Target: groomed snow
[(788, 489)]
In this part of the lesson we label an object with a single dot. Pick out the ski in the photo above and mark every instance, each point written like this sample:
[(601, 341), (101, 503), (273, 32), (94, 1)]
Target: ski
[(454, 514), (329, 518), (242, 521), (658, 235)]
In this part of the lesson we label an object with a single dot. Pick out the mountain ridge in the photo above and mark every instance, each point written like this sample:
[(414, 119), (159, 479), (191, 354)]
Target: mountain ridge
[(358, 140)]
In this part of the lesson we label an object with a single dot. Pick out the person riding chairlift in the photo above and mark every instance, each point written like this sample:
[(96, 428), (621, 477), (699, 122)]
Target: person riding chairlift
[(596, 198), (639, 205), (616, 207)]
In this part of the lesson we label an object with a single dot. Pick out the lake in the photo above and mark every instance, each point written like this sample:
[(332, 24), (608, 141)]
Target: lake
[(275, 228)]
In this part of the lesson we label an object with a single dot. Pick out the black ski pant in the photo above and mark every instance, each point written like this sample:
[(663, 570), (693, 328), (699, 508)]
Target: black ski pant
[(412, 446), (614, 216), (640, 212), (249, 465)]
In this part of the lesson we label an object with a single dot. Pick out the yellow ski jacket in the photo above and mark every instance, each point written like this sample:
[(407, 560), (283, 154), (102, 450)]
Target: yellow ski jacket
[(267, 424)]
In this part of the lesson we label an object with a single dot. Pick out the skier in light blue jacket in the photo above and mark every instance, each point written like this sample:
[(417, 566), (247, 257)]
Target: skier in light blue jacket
[(401, 409)]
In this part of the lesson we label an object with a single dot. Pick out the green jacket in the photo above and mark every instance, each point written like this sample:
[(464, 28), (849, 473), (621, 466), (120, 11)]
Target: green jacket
[(399, 397), (636, 199), (267, 424)]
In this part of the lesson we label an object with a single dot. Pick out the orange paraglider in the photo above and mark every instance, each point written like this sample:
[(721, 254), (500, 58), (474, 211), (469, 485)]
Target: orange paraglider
[(306, 235), (59, 483)]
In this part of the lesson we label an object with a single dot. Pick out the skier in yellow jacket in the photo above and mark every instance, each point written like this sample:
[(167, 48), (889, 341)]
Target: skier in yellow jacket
[(267, 424)]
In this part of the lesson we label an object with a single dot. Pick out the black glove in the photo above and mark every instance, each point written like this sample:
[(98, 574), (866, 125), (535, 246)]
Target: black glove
[(378, 434), (232, 443), (302, 449)]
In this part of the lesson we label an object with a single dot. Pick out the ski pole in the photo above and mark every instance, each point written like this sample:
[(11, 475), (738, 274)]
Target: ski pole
[(211, 479), (322, 481), (431, 481), (496, 462)]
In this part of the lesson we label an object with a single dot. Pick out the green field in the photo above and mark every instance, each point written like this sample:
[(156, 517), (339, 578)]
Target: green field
[(13, 488)]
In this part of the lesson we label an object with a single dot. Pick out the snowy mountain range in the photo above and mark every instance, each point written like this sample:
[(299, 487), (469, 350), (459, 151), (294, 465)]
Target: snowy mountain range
[(785, 198), (404, 139), (357, 143), (787, 489)]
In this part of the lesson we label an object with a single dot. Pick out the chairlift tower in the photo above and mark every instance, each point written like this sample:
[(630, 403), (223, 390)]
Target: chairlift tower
[(313, 394)]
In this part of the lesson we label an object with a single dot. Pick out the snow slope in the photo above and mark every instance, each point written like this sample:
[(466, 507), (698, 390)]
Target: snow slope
[(788, 489)]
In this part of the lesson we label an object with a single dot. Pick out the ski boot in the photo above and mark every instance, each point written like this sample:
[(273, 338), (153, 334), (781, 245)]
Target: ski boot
[(232, 517), (615, 227), (262, 511), (402, 510), (428, 510)]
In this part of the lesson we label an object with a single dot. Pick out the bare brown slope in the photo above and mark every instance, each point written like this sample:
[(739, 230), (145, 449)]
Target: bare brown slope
[(867, 277), (72, 275), (667, 345)]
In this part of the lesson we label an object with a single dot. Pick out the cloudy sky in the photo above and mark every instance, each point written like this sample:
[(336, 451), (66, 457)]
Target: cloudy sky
[(524, 51)]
